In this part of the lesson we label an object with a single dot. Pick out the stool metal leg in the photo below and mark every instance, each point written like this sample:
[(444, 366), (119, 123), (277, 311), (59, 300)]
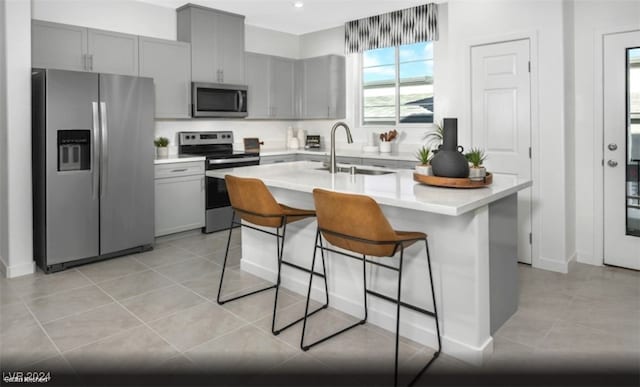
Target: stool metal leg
[(395, 376), (280, 250), (224, 266), (435, 313), (306, 310)]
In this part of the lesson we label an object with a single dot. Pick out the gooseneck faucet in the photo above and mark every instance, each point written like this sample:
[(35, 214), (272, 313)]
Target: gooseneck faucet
[(333, 168)]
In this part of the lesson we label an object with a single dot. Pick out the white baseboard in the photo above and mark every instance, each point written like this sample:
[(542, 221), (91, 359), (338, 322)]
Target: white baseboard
[(421, 334), (588, 258), (17, 270), (552, 265)]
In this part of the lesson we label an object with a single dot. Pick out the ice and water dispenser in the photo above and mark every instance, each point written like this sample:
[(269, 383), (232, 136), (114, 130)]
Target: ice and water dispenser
[(74, 150)]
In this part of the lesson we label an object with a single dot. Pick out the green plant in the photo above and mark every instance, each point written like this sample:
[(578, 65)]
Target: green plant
[(476, 156), (434, 136), (161, 142), (424, 155)]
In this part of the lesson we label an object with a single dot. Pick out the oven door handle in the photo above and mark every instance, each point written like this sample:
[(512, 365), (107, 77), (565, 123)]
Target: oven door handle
[(233, 161)]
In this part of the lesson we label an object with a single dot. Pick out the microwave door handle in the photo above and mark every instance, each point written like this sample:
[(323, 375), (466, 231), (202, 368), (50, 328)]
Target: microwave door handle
[(241, 101)]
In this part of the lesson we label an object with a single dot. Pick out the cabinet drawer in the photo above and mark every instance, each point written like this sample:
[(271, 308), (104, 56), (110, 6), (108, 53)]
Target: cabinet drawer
[(308, 157), (277, 159), (348, 160), (179, 169), (403, 164), (382, 163)]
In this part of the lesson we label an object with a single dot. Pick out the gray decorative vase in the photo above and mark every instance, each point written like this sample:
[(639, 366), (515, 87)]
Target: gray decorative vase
[(449, 160)]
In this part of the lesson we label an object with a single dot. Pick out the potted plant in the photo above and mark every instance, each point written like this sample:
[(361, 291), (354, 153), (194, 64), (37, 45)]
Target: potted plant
[(476, 170), (161, 146), (424, 156), (385, 140), (434, 137)]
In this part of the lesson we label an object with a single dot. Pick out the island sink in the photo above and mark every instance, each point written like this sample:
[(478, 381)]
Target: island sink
[(359, 171)]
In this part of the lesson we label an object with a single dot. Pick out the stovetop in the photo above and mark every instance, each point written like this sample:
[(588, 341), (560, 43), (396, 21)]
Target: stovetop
[(222, 155)]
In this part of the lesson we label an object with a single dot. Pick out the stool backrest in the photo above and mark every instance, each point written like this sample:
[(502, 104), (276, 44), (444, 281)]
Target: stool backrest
[(253, 202), (343, 217)]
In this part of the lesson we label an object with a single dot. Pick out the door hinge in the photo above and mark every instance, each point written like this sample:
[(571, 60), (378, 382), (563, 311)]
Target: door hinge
[(529, 152), (530, 238), (529, 65)]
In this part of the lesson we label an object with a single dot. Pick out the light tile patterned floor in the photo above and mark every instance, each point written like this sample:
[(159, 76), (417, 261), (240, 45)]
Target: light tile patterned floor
[(156, 311)]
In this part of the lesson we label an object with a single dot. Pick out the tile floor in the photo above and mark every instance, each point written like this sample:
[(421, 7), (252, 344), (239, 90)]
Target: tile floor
[(156, 311)]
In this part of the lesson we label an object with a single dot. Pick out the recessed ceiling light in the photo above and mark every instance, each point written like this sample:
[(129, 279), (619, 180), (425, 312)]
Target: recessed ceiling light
[(298, 4)]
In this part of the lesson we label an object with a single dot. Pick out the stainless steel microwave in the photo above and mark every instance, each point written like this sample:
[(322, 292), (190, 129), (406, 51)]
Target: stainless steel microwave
[(218, 100)]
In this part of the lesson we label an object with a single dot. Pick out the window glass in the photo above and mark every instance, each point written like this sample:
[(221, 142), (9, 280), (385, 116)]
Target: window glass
[(397, 85)]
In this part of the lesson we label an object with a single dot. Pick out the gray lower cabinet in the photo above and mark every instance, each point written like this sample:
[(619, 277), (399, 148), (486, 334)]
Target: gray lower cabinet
[(349, 160), (308, 157), (277, 159), (67, 47), (168, 63), (271, 83), (382, 163), (180, 197), (322, 87), (217, 43)]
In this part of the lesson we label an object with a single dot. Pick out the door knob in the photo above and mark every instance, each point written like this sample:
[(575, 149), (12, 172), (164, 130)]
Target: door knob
[(612, 163), (612, 147)]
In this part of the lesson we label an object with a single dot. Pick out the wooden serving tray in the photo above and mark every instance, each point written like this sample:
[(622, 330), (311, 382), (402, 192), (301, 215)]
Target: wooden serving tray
[(452, 182)]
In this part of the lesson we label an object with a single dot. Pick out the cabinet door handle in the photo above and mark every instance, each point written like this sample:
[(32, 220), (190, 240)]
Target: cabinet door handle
[(84, 62), (221, 75), (91, 62), (179, 170)]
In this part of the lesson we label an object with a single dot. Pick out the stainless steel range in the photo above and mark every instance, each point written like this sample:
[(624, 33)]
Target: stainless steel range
[(217, 147)]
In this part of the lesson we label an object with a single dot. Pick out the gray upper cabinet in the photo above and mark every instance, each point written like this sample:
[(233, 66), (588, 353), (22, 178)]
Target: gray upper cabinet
[(168, 63), (322, 86), (282, 92), (271, 86), (112, 52), (66, 47), (217, 43), (58, 46), (257, 77)]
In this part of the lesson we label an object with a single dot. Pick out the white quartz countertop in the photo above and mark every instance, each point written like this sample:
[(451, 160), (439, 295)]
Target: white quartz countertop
[(396, 189), (404, 156), (177, 159)]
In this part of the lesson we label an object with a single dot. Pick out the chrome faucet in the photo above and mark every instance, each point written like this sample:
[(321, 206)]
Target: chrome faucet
[(333, 168)]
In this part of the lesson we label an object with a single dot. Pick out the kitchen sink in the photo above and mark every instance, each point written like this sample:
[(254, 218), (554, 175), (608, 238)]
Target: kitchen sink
[(359, 171)]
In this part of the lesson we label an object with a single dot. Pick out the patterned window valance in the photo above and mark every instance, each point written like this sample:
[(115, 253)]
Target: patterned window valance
[(411, 25)]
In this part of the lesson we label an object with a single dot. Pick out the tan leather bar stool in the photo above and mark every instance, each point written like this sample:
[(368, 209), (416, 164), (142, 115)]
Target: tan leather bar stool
[(254, 204), (356, 223)]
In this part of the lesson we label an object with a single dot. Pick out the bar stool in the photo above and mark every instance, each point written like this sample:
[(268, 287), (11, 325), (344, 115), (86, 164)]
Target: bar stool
[(252, 201), (356, 223)]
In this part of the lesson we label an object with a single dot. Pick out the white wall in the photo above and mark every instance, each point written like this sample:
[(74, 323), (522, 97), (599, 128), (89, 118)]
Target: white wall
[(126, 16), (3, 145), (17, 122), (568, 13), (270, 42), (592, 19)]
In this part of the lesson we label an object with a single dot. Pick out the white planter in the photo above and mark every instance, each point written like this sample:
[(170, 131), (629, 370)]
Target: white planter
[(385, 146), (477, 173), (162, 151), (424, 170)]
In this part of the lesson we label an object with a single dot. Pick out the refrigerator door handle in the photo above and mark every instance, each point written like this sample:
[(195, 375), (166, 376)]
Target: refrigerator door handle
[(95, 160), (105, 149)]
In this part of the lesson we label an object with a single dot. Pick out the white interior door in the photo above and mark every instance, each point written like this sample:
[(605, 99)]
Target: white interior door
[(622, 149), (501, 119)]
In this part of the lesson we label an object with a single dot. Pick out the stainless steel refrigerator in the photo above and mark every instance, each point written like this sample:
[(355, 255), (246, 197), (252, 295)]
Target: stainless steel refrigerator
[(93, 193)]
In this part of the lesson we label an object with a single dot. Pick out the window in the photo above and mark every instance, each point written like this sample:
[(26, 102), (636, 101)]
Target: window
[(397, 85)]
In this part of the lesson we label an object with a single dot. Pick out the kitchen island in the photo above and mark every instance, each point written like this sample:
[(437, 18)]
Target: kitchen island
[(472, 240)]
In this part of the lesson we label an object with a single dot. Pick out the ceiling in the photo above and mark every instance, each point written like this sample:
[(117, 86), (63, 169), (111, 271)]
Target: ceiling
[(281, 15)]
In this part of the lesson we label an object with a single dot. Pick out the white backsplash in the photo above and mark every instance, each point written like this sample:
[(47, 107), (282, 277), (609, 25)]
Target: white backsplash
[(274, 133)]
